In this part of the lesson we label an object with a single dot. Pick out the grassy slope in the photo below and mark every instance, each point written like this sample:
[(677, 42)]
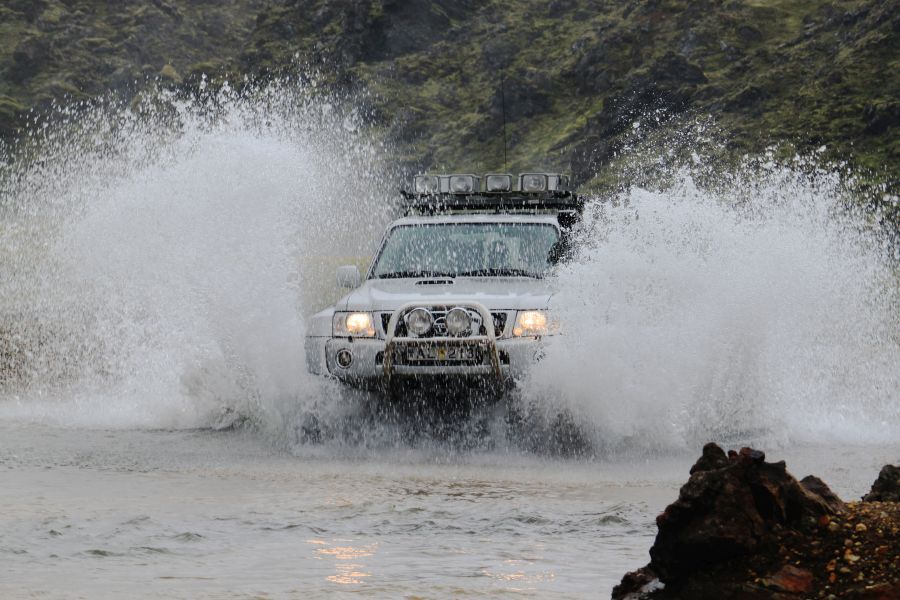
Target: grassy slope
[(52, 50), (577, 72)]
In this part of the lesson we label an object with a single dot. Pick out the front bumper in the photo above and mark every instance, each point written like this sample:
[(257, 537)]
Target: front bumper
[(515, 357), (379, 361)]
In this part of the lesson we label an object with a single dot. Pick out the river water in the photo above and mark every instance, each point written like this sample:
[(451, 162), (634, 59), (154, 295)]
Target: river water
[(155, 415), (200, 514)]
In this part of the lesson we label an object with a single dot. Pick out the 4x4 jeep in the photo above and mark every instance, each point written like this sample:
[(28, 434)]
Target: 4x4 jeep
[(456, 289)]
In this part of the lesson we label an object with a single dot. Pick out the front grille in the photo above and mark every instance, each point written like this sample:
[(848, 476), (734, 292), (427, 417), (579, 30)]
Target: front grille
[(440, 328), (499, 323), (385, 319)]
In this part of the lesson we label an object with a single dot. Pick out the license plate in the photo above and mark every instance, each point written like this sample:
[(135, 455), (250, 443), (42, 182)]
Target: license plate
[(441, 353)]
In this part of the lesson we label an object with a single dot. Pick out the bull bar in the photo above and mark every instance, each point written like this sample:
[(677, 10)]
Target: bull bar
[(489, 340)]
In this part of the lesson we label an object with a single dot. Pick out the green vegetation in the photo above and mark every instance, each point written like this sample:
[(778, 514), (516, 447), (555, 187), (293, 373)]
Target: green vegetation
[(802, 74)]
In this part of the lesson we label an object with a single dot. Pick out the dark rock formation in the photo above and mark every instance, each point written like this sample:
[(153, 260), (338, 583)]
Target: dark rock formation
[(745, 528), (728, 511), (887, 487)]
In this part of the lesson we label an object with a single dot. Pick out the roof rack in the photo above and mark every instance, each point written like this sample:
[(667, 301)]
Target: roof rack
[(494, 202), (537, 193)]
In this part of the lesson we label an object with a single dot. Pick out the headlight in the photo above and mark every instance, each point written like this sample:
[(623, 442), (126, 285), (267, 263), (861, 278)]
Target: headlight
[(419, 321), (531, 323), (459, 321), (353, 324)]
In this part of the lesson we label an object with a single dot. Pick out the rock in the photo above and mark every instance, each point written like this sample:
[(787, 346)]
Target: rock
[(589, 156), (745, 528), (821, 489), (790, 579), (675, 70), (412, 25), (713, 458), (749, 34), (749, 98), (636, 583), (730, 511), (881, 118), (732, 506), (887, 487), (523, 99), (30, 56)]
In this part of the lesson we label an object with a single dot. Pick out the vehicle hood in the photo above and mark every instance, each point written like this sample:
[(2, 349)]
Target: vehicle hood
[(496, 293)]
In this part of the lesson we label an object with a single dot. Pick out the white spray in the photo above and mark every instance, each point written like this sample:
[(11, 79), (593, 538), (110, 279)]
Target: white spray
[(153, 260), (157, 263), (762, 312)]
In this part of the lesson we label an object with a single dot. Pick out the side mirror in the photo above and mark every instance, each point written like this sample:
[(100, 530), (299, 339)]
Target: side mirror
[(348, 276)]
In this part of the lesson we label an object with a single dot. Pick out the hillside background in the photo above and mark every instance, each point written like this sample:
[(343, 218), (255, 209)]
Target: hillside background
[(809, 76)]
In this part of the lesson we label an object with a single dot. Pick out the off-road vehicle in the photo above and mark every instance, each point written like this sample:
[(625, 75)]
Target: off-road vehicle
[(457, 289)]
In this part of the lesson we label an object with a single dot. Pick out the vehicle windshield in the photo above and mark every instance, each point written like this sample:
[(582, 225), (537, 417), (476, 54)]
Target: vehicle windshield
[(467, 249)]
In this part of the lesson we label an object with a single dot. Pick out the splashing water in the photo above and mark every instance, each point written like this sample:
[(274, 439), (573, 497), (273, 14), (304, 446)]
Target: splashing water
[(763, 312), (152, 257), (158, 260)]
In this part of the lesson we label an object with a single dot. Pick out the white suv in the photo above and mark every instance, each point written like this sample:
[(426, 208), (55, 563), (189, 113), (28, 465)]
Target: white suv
[(456, 288)]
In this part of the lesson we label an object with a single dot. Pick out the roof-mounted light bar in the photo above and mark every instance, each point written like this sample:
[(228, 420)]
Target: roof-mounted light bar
[(466, 183), (464, 192)]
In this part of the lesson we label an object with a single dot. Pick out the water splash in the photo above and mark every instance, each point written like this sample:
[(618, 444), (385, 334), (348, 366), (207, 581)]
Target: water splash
[(153, 255), (158, 258), (765, 311)]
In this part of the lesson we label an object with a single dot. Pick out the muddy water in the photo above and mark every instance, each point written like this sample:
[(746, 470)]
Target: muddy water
[(200, 514)]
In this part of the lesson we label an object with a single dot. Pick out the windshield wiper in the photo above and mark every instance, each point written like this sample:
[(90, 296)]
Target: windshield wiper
[(413, 274), (499, 272)]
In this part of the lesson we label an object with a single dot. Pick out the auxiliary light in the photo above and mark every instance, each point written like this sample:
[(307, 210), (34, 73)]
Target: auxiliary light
[(497, 182), (459, 321), (427, 184), (419, 321), (464, 184)]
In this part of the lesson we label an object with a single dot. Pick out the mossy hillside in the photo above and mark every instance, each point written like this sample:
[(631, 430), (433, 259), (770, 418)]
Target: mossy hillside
[(52, 50), (577, 74)]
